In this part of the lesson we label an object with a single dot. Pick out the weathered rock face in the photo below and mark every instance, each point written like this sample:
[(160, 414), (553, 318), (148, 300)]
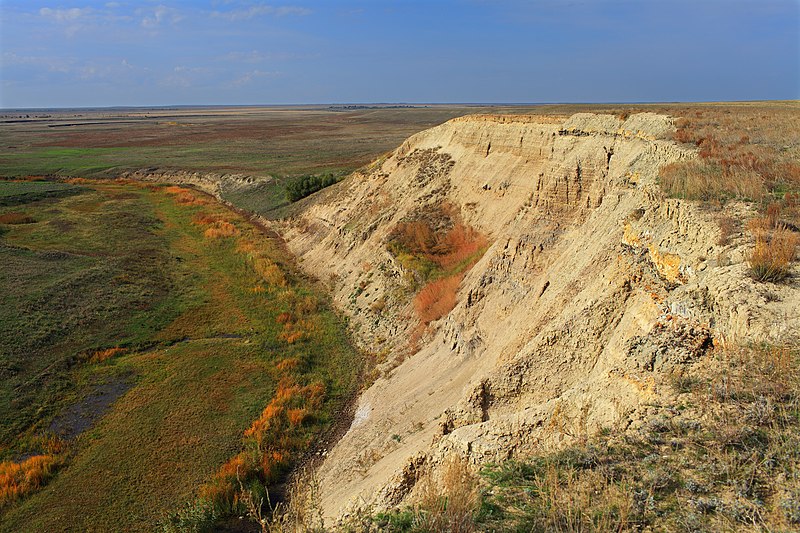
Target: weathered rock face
[(214, 184), (595, 288)]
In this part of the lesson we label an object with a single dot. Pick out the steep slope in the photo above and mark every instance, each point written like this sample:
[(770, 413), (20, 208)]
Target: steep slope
[(594, 288)]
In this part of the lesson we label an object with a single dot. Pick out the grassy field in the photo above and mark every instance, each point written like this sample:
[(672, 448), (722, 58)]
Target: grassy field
[(143, 326), (254, 141), (739, 141)]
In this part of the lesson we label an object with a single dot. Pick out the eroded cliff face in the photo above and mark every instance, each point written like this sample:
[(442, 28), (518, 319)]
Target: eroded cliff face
[(594, 288)]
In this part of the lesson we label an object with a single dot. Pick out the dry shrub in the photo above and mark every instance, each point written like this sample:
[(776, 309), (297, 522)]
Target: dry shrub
[(772, 256), (246, 247), (775, 246), (19, 479), (205, 219), (185, 196), (103, 355), (589, 501), (221, 490), (445, 249), (16, 218), (703, 180), (274, 419), (288, 365), (301, 511), (221, 229), (269, 272), (460, 244), (258, 289), (450, 504), (296, 331), (284, 318), (437, 298), (727, 227), (306, 305)]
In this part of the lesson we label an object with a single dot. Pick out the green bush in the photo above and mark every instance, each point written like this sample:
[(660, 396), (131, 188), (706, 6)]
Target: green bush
[(308, 184)]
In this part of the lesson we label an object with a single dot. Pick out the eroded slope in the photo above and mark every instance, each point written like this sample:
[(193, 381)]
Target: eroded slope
[(594, 288)]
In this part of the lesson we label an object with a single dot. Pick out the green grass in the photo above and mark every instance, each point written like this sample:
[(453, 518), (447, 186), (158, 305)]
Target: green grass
[(127, 267), (20, 192)]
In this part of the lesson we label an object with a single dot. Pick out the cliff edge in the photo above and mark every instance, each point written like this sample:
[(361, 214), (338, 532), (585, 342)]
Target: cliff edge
[(588, 290)]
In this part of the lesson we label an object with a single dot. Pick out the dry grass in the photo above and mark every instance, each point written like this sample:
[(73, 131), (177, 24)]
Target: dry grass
[(772, 256), (451, 503), (775, 246), (726, 457), (745, 152), (20, 478), (221, 229), (103, 355), (16, 218), (185, 196)]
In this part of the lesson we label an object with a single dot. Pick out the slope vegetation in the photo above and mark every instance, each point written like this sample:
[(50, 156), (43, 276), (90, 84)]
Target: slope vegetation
[(147, 331)]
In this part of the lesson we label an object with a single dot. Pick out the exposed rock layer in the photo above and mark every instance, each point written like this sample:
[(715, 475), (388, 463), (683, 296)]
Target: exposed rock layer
[(595, 287)]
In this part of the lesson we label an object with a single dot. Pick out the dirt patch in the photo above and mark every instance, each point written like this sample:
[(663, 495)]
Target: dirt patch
[(82, 415)]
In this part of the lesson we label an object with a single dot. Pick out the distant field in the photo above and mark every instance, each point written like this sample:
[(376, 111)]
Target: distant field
[(254, 141), (140, 335), (287, 142)]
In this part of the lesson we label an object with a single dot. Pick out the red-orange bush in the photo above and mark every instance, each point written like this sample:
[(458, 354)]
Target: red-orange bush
[(269, 272), (437, 298), (19, 479), (102, 355), (220, 229), (16, 218)]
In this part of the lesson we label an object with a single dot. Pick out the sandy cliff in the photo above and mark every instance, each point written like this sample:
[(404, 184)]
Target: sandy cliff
[(593, 289)]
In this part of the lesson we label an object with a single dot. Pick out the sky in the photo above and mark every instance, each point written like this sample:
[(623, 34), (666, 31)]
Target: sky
[(242, 52)]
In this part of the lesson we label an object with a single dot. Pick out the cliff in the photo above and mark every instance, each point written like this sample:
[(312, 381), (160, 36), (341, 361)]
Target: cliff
[(592, 290)]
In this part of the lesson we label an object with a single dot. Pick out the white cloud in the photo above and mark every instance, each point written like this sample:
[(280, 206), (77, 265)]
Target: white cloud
[(159, 14), (65, 15), (51, 64), (249, 77), (260, 10), (256, 56)]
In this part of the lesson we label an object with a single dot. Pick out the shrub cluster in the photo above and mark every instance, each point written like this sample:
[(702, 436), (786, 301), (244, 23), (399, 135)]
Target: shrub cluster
[(308, 184)]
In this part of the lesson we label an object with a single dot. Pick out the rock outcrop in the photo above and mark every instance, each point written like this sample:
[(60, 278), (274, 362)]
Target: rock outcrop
[(595, 287)]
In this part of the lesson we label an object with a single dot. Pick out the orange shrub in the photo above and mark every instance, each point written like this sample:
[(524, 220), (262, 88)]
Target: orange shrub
[(437, 298), (186, 196), (222, 490), (293, 332), (246, 247), (297, 416), (19, 479), (284, 318), (204, 219), (102, 355), (16, 218), (773, 254), (221, 228), (269, 272), (289, 364), (258, 289), (458, 245)]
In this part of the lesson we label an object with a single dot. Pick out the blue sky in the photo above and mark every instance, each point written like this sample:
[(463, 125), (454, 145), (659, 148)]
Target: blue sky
[(98, 53)]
